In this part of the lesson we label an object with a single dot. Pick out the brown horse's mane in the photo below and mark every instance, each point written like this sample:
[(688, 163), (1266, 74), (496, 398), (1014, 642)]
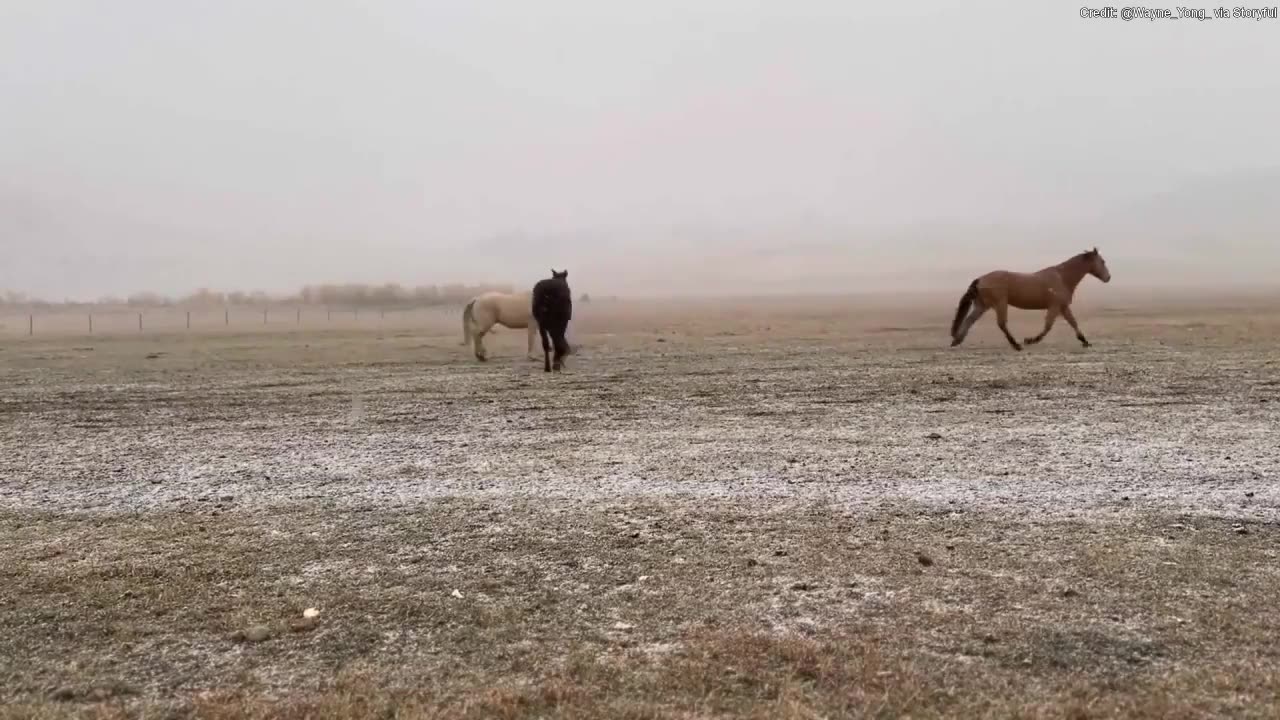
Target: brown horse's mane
[(1074, 268), (1086, 256)]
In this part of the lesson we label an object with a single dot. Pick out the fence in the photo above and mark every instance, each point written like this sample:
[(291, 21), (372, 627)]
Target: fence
[(63, 321)]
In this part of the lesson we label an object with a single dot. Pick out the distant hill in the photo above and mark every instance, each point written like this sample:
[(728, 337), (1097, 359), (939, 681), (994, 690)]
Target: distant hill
[(1218, 230), (1213, 231)]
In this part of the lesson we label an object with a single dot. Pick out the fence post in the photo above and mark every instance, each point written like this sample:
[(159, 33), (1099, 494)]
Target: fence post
[(226, 316), (264, 316), (139, 322), (31, 324), (90, 323), (328, 314), (188, 319)]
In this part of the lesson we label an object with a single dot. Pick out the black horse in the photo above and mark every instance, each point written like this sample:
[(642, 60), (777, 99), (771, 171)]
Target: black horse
[(552, 309)]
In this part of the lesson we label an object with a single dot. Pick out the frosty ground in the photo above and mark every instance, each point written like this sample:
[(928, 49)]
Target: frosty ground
[(780, 508)]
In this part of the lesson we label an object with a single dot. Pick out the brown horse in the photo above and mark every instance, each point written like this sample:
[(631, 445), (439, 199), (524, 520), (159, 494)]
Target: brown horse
[(1050, 289)]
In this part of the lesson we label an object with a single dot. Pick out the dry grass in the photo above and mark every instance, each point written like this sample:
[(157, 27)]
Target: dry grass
[(828, 519), (638, 610)]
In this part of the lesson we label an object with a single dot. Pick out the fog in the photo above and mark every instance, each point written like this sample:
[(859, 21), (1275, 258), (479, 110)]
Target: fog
[(651, 148)]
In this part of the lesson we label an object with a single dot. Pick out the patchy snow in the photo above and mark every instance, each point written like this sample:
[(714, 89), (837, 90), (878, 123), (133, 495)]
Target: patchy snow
[(1055, 432)]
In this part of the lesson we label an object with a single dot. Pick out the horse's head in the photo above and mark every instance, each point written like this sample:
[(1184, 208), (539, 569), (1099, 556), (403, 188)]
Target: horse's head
[(1097, 265), (562, 275)]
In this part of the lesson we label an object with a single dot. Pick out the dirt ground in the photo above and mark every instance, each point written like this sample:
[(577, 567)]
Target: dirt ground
[(782, 509)]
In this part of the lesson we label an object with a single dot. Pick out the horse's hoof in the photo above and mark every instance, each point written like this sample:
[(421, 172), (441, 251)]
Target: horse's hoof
[(956, 341)]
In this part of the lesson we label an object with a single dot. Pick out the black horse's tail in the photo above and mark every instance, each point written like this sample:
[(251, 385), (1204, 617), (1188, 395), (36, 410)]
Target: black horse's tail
[(965, 301)]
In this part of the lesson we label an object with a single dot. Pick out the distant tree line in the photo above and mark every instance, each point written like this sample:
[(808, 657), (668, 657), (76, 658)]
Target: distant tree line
[(349, 295)]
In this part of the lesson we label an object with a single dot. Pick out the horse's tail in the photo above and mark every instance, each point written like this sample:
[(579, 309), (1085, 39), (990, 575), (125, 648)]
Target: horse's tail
[(965, 301), (468, 317)]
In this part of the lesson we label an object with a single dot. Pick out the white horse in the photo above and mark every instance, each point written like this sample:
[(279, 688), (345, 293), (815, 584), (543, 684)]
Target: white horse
[(513, 310)]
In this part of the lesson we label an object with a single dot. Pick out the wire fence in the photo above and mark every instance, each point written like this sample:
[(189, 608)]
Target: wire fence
[(59, 321)]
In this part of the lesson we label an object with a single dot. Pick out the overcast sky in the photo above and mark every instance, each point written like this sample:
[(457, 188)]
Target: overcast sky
[(167, 145)]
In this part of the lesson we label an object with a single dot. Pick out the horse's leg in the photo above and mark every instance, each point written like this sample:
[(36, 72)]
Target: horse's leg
[(1050, 315), (1071, 318), (979, 308), (478, 331), (546, 348), (562, 348), (1002, 320)]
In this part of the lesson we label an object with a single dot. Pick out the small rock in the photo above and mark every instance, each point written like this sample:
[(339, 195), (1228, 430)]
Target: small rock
[(623, 627), (635, 534), (303, 624), (779, 553), (951, 547), (456, 594), (1124, 498), (1070, 593), (1249, 494), (310, 613), (255, 634), (227, 498), (63, 694), (752, 562), (642, 578), (802, 586), (923, 559), (933, 436), (1241, 530)]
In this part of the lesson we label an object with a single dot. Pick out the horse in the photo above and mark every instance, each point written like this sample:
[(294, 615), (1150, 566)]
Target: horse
[(1050, 289), (510, 310), (552, 309)]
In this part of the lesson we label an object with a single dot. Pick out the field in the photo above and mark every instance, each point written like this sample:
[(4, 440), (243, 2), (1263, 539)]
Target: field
[(758, 508)]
